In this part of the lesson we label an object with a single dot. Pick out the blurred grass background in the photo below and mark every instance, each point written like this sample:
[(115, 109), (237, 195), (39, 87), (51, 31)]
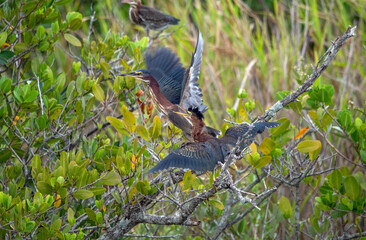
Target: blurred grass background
[(282, 38)]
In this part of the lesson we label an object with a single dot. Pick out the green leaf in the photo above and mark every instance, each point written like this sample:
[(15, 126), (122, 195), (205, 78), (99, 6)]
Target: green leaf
[(143, 187), (55, 226), (315, 223), (29, 226), (98, 92), (118, 125), (70, 216), (267, 146), (20, 47), (74, 20), (352, 187), (72, 40), (40, 33), (309, 146), (99, 218), (31, 96), (142, 131), (285, 207), (188, 180), (217, 204), (43, 46), (314, 116), (129, 119), (156, 128), (335, 179), (44, 187), (98, 190), (5, 84), (327, 119), (3, 37), (263, 161), (91, 214), (112, 178), (62, 2), (345, 118), (5, 155), (282, 128), (5, 56), (105, 68), (83, 194)]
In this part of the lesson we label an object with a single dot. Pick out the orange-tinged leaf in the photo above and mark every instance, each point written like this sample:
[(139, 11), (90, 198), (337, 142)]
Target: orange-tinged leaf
[(5, 45), (133, 161), (142, 105), (104, 208), (57, 203), (301, 133), (150, 108), (139, 93)]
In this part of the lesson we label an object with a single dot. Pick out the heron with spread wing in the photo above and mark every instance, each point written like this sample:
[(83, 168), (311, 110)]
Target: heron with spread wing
[(173, 88), (204, 154)]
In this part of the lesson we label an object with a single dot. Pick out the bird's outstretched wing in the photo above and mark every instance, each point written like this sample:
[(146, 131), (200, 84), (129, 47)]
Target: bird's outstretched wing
[(191, 93), (233, 134), (168, 71), (197, 156)]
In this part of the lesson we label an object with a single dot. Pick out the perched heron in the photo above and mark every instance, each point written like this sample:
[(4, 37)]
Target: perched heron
[(149, 18), (173, 88), (203, 155)]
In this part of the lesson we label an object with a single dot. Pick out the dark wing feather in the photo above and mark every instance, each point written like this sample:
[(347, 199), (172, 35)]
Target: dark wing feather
[(233, 134), (197, 156), (168, 71), (191, 93)]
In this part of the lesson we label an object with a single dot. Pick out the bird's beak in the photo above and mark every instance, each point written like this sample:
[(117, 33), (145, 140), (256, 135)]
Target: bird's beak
[(134, 75), (183, 114), (131, 74)]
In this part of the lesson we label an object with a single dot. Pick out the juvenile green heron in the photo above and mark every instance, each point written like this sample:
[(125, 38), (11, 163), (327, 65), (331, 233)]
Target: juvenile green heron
[(173, 88), (149, 18), (203, 155)]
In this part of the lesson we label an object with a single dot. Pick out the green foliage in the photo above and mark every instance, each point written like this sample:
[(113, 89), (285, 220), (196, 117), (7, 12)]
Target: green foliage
[(342, 194)]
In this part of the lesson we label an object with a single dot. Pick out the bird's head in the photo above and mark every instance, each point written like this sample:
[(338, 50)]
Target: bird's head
[(140, 74)]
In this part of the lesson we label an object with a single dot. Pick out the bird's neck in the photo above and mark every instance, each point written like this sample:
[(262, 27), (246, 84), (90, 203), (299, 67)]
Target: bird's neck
[(159, 98), (199, 132)]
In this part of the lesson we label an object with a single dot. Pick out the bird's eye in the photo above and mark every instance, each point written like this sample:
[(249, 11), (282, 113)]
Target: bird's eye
[(139, 73)]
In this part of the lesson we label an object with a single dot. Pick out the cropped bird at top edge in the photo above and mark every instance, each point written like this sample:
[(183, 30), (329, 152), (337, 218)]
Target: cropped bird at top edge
[(148, 17), (173, 88), (203, 155)]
